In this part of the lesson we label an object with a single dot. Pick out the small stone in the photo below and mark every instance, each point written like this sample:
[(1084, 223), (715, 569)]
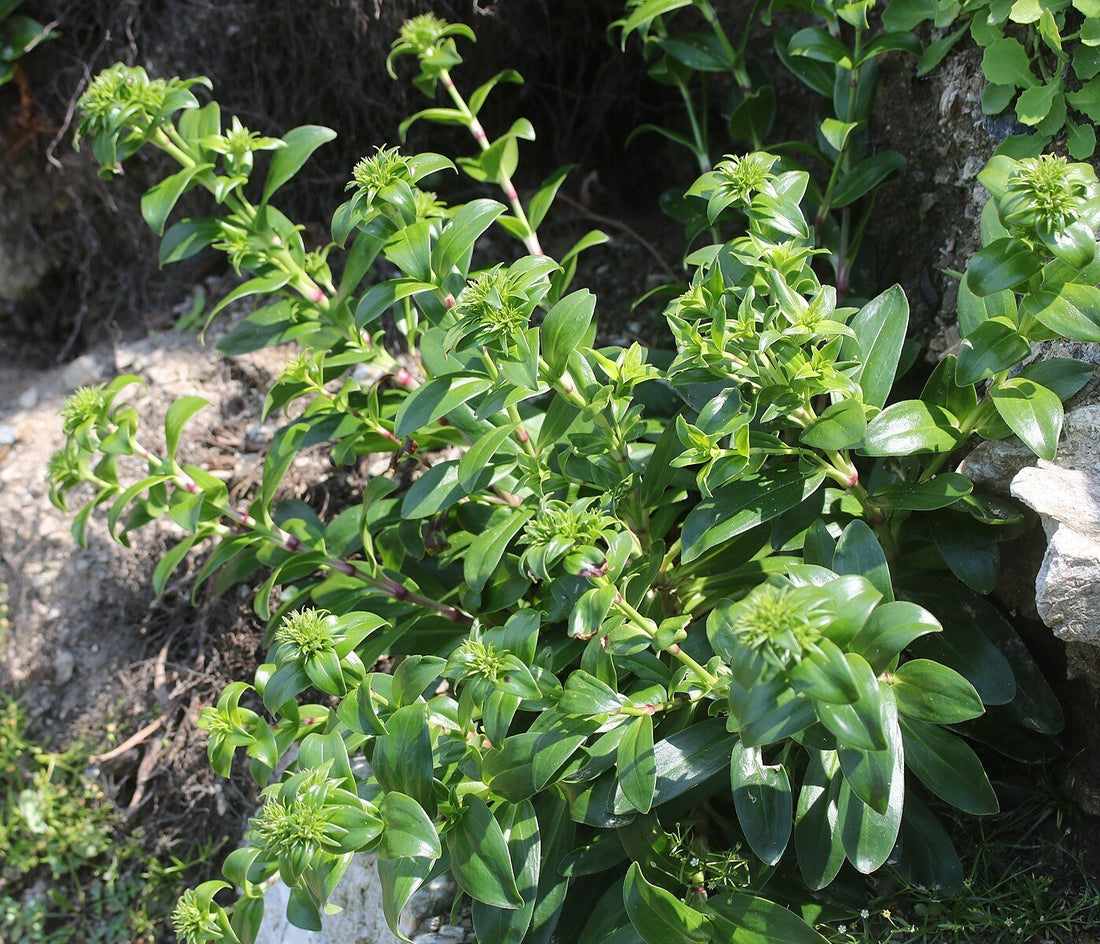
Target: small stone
[(8, 435), (64, 664), (28, 399), (447, 934), (82, 372)]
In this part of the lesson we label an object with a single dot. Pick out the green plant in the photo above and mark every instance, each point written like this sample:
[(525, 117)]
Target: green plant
[(18, 35), (837, 61), (66, 876), (1039, 54), (672, 633)]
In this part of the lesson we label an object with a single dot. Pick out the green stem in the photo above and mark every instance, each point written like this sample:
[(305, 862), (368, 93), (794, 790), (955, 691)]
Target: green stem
[(649, 627), (504, 180), (276, 535)]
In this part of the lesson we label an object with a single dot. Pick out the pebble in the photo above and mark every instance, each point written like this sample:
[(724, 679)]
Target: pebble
[(64, 664), (8, 435), (447, 934), (85, 370), (28, 399)]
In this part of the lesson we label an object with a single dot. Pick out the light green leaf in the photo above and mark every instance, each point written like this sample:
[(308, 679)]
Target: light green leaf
[(1033, 412), (287, 161)]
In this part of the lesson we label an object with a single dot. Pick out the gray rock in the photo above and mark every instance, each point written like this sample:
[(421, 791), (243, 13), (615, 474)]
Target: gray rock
[(82, 372), (28, 399), (64, 664), (1066, 494), (361, 921)]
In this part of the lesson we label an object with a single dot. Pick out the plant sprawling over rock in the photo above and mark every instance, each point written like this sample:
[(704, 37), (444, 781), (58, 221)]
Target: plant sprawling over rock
[(677, 636)]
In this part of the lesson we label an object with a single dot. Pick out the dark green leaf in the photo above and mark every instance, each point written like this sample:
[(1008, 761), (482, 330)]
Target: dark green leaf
[(736, 508), (521, 832), (939, 492), (864, 177), (636, 764), (890, 629), (933, 692), (816, 838), (1073, 311), (479, 857), (762, 798), (993, 346), (969, 549), (1033, 412), (436, 399), (658, 916), (407, 830), (868, 836), (1003, 264), (870, 774), (863, 724), (859, 552), (948, 767), (740, 918)]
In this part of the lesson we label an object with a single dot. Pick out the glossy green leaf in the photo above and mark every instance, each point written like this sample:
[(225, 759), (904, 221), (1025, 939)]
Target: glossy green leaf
[(880, 328), (863, 724), (287, 161), (939, 492), (858, 552), (762, 798), (1062, 375), (740, 918), (890, 629), (521, 832), (402, 759), (458, 238), (816, 834), (734, 509), (909, 428), (870, 774), (400, 879), (995, 345), (407, 830), (947, 766), (1033, 412), (636, 764), (1073, 311), (436, 399), (658, 916), (1004, 264), (690, 757), (588, 614), (868, 836), (479, 857), (962, 645), (564, 327), (933, 692), (840, 426)]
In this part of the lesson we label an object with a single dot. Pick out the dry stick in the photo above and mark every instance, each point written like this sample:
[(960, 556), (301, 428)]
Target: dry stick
[(132, 741)]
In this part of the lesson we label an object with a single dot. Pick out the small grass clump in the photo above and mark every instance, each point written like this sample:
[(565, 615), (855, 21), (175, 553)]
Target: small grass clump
[(68, 871)]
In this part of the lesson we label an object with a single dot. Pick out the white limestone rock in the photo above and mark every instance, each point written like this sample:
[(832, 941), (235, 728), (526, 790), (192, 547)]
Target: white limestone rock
[(361, 921)]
